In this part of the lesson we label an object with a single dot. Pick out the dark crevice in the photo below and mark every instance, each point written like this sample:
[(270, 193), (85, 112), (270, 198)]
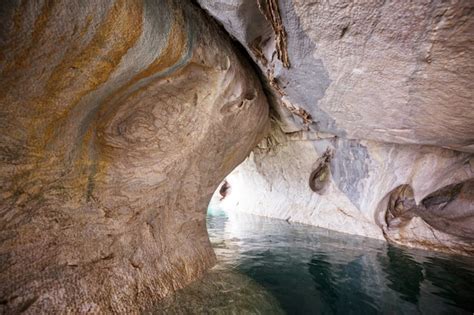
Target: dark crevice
[(344, 31), (224, 190), (319, 178)]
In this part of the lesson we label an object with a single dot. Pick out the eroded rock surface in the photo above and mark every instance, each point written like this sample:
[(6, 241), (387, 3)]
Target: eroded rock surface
[(380, 70), (118, 121), (361, 189), (369, 98)]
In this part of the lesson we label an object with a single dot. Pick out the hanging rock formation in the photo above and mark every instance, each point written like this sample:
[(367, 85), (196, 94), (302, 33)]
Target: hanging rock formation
[(373, 111), (118, 121)]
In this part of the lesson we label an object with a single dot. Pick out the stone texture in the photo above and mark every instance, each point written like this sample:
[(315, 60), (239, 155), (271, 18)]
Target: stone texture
[(361, 177), (383, 70), (373, 105), (118, 121)]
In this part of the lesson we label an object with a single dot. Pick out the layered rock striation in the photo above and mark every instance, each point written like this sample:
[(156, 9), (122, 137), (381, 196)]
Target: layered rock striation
[(118, 121), (120, 118)]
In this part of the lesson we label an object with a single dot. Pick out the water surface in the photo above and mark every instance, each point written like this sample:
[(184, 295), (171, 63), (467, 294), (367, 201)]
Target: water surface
[(268, 266)]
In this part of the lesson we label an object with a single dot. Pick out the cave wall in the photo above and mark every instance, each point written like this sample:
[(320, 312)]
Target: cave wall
[(120, 118), (118, 121), (353, 191), (367, 97)]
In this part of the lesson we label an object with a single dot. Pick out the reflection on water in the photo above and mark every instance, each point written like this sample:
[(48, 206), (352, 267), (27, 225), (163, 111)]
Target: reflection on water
[(339, 285), (269, 266), (451, 282), (399, 266)]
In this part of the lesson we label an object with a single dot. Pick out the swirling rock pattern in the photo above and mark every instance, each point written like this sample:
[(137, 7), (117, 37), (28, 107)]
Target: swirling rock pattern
[(118, 121)]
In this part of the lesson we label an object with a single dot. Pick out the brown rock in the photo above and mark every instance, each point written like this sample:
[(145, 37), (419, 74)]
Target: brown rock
[(118, 121)]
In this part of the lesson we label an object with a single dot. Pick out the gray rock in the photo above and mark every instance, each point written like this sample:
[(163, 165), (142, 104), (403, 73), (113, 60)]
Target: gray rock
[(388, 87), (388, 71)]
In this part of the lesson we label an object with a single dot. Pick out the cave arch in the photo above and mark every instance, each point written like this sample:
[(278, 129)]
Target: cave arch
[(113, 141)]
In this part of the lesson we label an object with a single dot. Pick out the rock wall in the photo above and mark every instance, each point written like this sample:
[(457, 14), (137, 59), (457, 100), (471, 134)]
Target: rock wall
[(118, 121), (120, 118), (381, 70), (373, 106), (358, 188)]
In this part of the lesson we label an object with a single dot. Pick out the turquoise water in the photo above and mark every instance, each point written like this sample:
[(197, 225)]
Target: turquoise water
[(300, 269)]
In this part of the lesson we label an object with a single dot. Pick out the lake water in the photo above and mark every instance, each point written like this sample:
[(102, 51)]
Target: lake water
[(269, 266)]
